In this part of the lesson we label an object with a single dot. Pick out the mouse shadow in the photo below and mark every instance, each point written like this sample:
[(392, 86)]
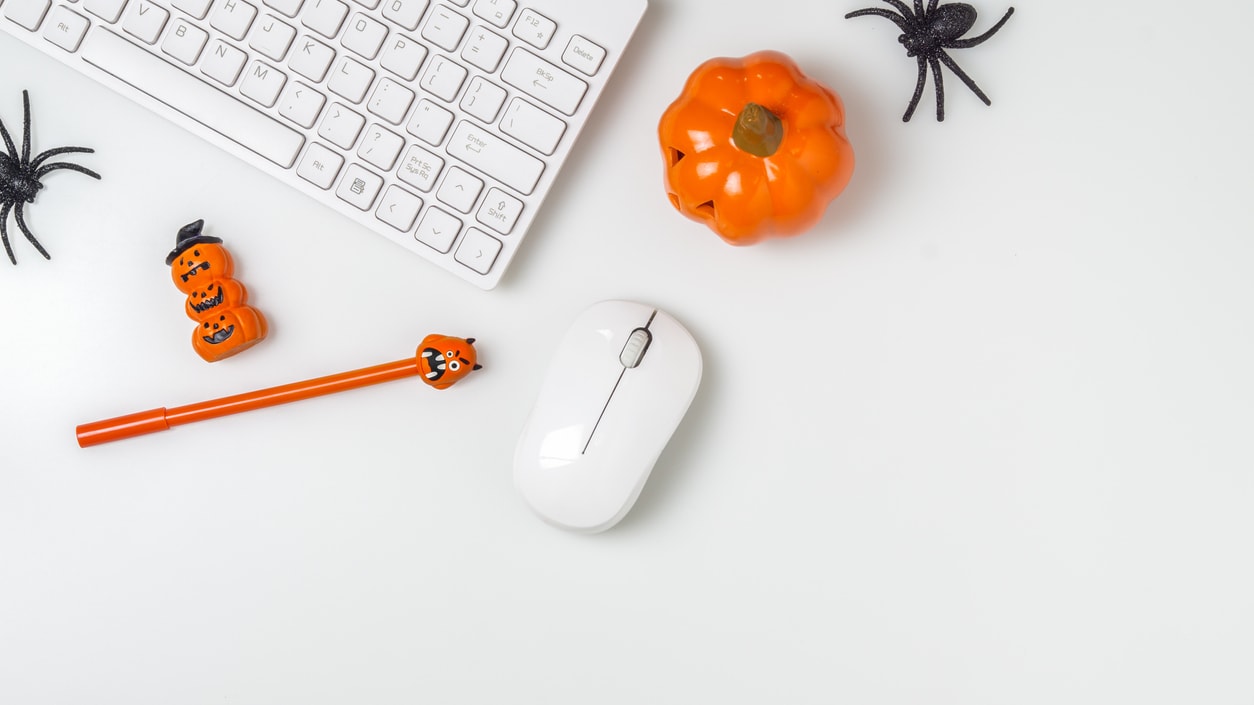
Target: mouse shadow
[(674, 472)]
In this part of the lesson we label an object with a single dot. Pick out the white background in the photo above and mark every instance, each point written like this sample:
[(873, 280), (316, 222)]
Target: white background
[(982, 436)]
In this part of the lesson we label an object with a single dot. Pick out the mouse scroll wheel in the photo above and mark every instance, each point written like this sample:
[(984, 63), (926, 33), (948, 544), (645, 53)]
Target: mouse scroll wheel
[(637, 344)]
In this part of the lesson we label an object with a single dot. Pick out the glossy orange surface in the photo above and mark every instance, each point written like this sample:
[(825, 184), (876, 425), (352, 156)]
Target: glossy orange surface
[(743, 197)]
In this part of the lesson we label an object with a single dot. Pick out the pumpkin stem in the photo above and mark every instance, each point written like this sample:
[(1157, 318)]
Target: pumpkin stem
[(758, 131)]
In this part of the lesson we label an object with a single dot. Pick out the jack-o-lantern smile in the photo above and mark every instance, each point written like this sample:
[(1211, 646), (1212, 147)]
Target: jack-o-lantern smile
[(207, 301), (219, 335)]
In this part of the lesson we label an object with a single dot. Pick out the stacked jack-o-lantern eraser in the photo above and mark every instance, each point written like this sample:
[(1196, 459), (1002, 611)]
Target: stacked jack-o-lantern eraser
[(202, 268)]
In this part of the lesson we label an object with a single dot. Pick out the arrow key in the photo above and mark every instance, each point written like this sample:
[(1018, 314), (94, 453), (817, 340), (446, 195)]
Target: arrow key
[(399, 208), (460, 189), (478, 250), (438, 229)]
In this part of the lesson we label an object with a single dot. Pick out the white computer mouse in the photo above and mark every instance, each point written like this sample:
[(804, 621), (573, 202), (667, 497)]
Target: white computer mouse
[(618, 385)]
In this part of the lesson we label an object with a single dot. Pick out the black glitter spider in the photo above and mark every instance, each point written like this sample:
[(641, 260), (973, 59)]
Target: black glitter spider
[(927, 34), (20, 175)]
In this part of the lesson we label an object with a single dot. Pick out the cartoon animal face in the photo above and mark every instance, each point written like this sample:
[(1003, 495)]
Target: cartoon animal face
[(228, 332), (208, 300), (199, 263), (443, 360)]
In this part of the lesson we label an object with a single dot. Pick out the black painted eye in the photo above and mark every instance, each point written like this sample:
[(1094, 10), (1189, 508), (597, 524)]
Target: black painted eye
[(221, 318), (206, 325), (196, 253), (454, 366), (449, 354)]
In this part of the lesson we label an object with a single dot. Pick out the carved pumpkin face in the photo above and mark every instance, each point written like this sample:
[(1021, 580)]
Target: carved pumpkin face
[(198, 263), (443, 360), (212, 297), (228, 332)]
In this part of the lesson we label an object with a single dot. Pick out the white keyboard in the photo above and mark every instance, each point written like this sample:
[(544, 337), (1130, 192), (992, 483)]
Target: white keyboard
[(439, 124)]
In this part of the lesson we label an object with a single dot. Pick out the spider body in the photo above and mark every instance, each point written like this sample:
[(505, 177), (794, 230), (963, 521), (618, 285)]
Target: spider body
[(926, 34), (20, 179)]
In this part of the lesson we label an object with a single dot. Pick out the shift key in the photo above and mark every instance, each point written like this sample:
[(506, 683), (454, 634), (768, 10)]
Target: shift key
[(495, 157)]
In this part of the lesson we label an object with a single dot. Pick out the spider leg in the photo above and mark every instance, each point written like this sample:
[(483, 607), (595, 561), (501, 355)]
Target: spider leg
[(26, 128), (899, 21), (931, 6), (4, 231), (939, 83), (8, 141), (967, 43), (953, 66), (65, 165), (918, 91), (905, 11), (60, 150), (21, 223)]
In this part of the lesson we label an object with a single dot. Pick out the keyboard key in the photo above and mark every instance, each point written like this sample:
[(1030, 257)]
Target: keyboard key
[(301, 104), (443, 78), (405, 13), (445, 28), (583, 55), (287, 8), (499, 211), (485, 49), (325, 17), (359, 187), (429, 122), (350, 79), (438, 229), (535, 29), (223, 63), (195, 99), (420, 168), (311, 58), (478, 251), (390, 101), (320, 166), (340, 126), (483, 100), (403, 56), (380, 147), (364, 36), (233, 18), (497, 12), (107, 10), (262, 83), (185, 41), (495, 157), (368, 4), (532, 126), (272, 37), (144, 21), (544, 81), (66, 28), (460, 190), (195, 8), (399, 208)]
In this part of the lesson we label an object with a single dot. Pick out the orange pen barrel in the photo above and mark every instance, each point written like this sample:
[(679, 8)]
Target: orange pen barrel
[(144, 422)]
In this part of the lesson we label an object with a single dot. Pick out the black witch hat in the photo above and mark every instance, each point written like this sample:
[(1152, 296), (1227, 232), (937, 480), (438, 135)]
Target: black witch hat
[(188, 236)]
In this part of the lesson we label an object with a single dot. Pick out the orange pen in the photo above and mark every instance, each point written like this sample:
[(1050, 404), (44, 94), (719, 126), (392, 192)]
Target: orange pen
[(440, 360)]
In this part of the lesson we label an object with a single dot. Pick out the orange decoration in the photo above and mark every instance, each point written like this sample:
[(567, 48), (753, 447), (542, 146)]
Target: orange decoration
[(755, 149), (442, 359), (202, 268)]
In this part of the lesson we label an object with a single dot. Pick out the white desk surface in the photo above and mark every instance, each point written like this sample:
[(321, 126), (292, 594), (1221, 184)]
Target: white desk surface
[(983, 436)]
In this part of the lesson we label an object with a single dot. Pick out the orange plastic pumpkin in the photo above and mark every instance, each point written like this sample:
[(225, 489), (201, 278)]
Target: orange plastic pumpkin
[(443, 359), (200, 262), (229, 332), (753, 148)]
